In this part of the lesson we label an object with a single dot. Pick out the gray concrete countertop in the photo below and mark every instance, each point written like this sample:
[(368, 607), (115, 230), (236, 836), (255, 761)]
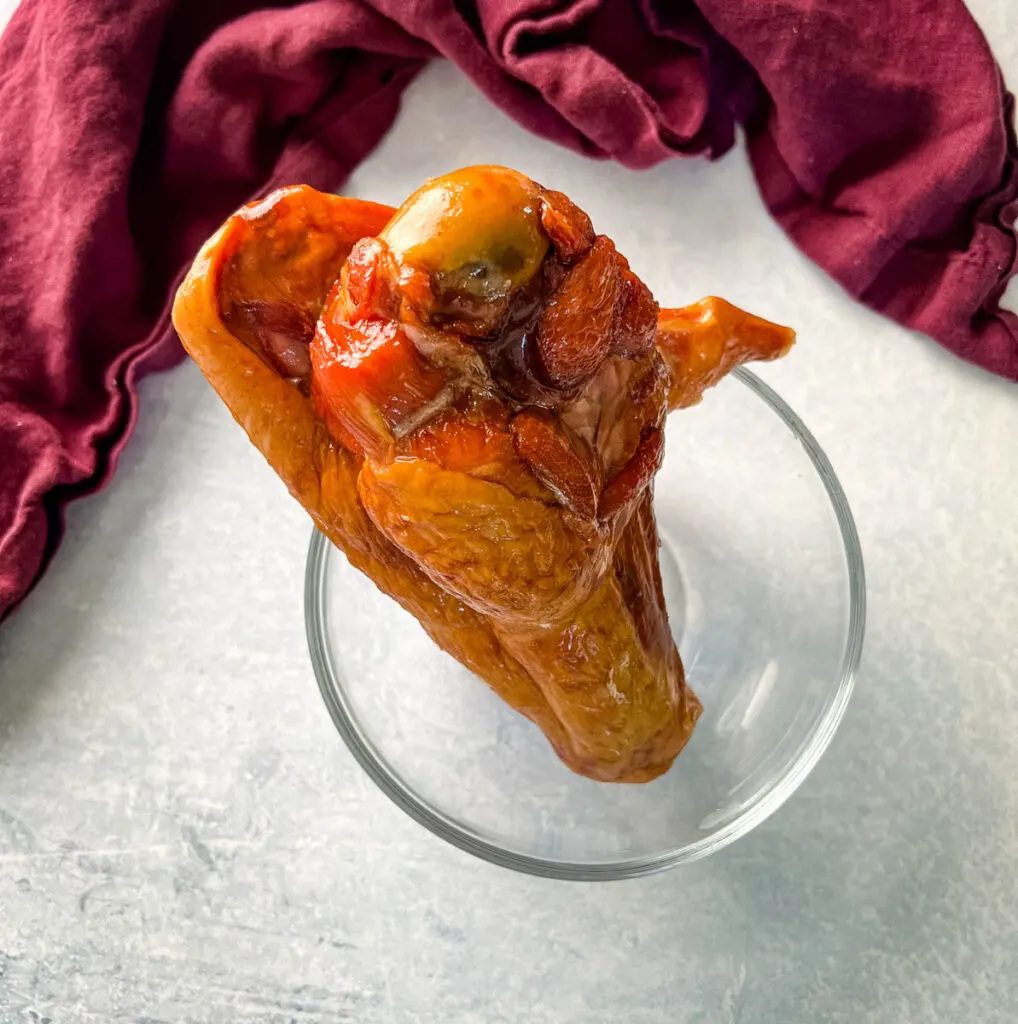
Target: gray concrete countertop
[(183, 836)]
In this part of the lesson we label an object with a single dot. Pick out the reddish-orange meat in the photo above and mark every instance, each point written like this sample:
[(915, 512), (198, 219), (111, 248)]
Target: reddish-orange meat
[(467, 396)]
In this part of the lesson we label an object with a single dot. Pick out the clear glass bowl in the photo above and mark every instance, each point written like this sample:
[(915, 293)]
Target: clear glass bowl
[(765, 589)]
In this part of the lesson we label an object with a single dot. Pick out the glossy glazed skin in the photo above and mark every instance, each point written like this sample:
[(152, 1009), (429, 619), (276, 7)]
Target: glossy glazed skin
[(468, 395)]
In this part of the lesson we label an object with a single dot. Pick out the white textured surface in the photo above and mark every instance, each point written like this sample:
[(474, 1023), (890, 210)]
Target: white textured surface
[(184, 838)]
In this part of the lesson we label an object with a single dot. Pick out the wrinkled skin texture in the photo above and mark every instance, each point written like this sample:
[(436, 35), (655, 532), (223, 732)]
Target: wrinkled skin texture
[(467, 396)]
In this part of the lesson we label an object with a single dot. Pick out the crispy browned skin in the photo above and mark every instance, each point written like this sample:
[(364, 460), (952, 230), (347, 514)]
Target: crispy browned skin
[(506, 506)]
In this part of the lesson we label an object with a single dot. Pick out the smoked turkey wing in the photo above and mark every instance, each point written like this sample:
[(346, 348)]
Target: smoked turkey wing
[(467, 397)]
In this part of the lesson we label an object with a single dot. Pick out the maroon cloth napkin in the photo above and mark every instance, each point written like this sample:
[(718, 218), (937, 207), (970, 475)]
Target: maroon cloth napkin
[(879, 131)]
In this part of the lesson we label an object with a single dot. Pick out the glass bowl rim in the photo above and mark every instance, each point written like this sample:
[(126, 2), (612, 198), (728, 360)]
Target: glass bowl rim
[(367, 755)]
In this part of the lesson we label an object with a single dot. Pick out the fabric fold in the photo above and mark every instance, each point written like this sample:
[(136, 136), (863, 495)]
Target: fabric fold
[(879, 131)]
